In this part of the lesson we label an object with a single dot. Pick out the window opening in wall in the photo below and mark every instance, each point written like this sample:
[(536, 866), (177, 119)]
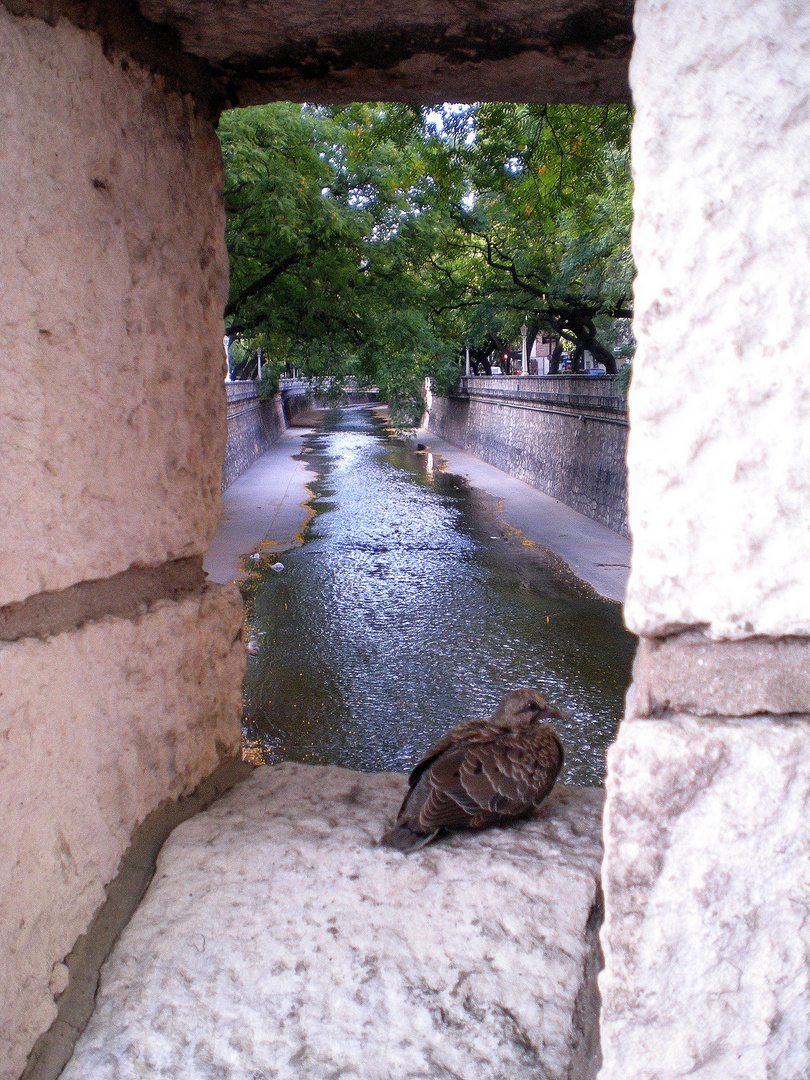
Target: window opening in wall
[(377, 240), (378, 253), (374, 246)]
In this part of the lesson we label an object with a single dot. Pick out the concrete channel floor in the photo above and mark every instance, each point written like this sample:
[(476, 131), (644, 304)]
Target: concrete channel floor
[(595, 554), (266, 510)]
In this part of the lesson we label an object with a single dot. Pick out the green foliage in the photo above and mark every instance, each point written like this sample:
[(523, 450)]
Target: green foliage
[(267, 386), (546, 215), (623, 377), (373, 240)]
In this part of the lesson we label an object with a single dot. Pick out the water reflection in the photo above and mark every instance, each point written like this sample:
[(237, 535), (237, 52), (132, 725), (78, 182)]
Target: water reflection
[(405, 612)]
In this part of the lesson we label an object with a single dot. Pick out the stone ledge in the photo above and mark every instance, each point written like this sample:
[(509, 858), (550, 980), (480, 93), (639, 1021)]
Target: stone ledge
[(570, 50), (689, 673), (475, 956)]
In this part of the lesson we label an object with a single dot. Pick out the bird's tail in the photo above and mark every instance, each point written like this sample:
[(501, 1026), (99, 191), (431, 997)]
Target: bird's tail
[(403, 839)]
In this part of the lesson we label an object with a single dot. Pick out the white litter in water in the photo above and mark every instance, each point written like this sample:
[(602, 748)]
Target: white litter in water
[(278, 567), (277, 939), (255, 556)]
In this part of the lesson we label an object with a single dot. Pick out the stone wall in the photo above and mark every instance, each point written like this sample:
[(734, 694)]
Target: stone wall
[(253, 426), (112, 432), (119, 671), (706, 873), (100, 725), (565, 435), (113, 284)]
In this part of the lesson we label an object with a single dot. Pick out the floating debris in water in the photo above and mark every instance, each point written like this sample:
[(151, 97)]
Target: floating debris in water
[(255, 556), (252, 647), (278, 567)]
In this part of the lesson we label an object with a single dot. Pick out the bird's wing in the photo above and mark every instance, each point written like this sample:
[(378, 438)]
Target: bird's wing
[(443, 744), (439, 799), (511, 774), (469, 785), (497, 775), (492, 774), (469, 731)]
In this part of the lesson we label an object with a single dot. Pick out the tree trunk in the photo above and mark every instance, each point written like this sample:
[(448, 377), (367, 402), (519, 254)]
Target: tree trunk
[(603, 356)]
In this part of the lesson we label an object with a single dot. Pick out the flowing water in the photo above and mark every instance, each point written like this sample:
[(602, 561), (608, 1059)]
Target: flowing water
[(410, 608)]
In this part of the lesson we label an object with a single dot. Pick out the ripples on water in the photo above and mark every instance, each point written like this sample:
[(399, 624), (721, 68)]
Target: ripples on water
[(404, 613)]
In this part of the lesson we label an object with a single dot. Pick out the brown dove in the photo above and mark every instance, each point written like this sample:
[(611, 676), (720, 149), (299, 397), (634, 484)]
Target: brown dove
[(482, 772)]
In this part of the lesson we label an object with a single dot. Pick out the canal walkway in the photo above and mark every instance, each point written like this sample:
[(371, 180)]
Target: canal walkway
[(266, 509)]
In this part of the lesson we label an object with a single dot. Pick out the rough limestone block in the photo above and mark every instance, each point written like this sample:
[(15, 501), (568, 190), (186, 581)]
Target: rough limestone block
[(414, 50), (707, 901), (719, 488), (688, 673), (112, 406), (277, 939), (97, 726)]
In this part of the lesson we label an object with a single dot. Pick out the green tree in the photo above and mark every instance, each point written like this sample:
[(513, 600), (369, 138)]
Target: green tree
[(373, 239), (544, 208)]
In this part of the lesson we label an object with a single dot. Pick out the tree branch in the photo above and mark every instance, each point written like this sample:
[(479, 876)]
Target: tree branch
[(262, 283)]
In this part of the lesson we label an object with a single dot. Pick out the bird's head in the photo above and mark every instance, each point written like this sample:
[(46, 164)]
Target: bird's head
[(523, 704)]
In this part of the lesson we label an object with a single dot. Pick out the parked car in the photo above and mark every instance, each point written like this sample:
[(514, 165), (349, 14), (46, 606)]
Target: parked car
[(495, 370)]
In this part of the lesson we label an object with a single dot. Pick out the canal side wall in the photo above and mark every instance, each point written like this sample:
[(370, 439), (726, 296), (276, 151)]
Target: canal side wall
[(253, 427), (565, 435)]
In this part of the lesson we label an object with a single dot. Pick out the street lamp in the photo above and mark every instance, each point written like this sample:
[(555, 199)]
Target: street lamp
[(524, 366)]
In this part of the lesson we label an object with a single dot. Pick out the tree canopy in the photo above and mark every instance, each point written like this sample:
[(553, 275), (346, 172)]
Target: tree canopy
[(376, 240)]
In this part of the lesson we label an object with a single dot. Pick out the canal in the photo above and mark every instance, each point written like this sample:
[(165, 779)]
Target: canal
[(409, 608)]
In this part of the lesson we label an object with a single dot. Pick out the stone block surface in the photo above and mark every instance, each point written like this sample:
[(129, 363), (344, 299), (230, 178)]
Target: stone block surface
[(278, 939), (416, 50), (98, 726), (689, 673), (719, 489), (112, 408), (707, 918)]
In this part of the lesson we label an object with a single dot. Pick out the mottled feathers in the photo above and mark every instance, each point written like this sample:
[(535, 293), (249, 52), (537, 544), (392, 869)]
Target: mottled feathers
[(482, 773)]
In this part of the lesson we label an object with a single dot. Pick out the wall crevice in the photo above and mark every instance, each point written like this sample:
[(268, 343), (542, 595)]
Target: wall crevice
[(124, 595), (690, 673)]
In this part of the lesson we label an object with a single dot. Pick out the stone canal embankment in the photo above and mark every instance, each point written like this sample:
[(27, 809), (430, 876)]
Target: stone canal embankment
[(564, 434), (254, 425)]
